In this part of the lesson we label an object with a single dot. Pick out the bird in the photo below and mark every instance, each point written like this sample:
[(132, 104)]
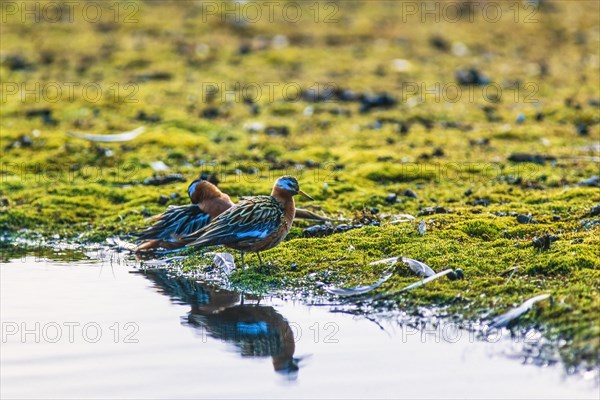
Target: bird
[(207, 202), (255, 224)]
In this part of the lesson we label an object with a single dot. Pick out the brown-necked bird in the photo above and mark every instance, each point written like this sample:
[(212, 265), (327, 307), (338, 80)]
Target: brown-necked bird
[(177, 221), (254, 224), (207, 203)]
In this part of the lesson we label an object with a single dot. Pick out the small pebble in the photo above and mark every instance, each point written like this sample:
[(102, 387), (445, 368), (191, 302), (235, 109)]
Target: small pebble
[(544, 242), (481, 202), (583, 129), (524, 219), (162, 200), (277, 130), (438, 152), (391, 198), (410, 193)]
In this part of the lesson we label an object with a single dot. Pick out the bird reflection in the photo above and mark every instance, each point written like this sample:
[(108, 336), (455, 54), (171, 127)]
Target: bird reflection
[(255, 330)]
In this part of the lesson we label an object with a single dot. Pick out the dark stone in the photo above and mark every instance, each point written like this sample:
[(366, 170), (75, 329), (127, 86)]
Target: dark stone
[(438, 152), (572, 103), (22, 141), (471, 77), (312, 164), (426, 211), (544, 242), (391, 198), (460, 274), (154, 76), (481, 202), (347, 95), (212, 178), (403, 128), (318, 231), (16, 62), (163, 180), (524, 219), (595, 211), (439, 43), (432, 210), (277, 130), (326, 230), (245, 48), (143, 116), (468, 192), (452, 275), (44, 113), (491, 114), (583, 129), (211, 113), (162, 200), (532, 158), (318, 95), (410, 193), (381, 100), (556, 218)]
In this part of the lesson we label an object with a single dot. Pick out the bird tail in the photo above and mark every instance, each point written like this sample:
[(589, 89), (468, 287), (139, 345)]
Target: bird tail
[(170, 226)]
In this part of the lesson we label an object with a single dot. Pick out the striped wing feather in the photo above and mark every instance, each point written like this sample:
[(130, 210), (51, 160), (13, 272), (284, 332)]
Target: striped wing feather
[(250, 219), (175, 222)]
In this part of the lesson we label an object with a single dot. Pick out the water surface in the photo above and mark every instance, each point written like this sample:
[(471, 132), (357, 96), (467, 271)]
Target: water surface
[(93, 328)]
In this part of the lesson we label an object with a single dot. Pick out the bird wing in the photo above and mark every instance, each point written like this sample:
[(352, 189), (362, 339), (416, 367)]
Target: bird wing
[(175, 222), (251, 219)]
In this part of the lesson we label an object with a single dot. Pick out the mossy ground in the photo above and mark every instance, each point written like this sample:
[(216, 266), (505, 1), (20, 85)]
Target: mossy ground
[(168, 52)]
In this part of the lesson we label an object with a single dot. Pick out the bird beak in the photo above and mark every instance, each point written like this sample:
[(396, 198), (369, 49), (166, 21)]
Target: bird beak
[(305, 195)]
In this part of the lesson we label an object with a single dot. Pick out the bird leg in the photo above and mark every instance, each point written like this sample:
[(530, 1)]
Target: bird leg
[(243, 264), (260, 259)]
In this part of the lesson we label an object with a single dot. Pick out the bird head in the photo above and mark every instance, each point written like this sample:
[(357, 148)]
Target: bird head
[(289, 184), (201, 190)]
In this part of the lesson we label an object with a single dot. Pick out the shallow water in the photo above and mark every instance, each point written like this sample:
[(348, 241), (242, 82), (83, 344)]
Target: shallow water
[(93, 328)]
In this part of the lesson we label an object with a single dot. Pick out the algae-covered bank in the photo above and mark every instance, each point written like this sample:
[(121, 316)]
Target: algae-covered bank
[(478, 119)]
